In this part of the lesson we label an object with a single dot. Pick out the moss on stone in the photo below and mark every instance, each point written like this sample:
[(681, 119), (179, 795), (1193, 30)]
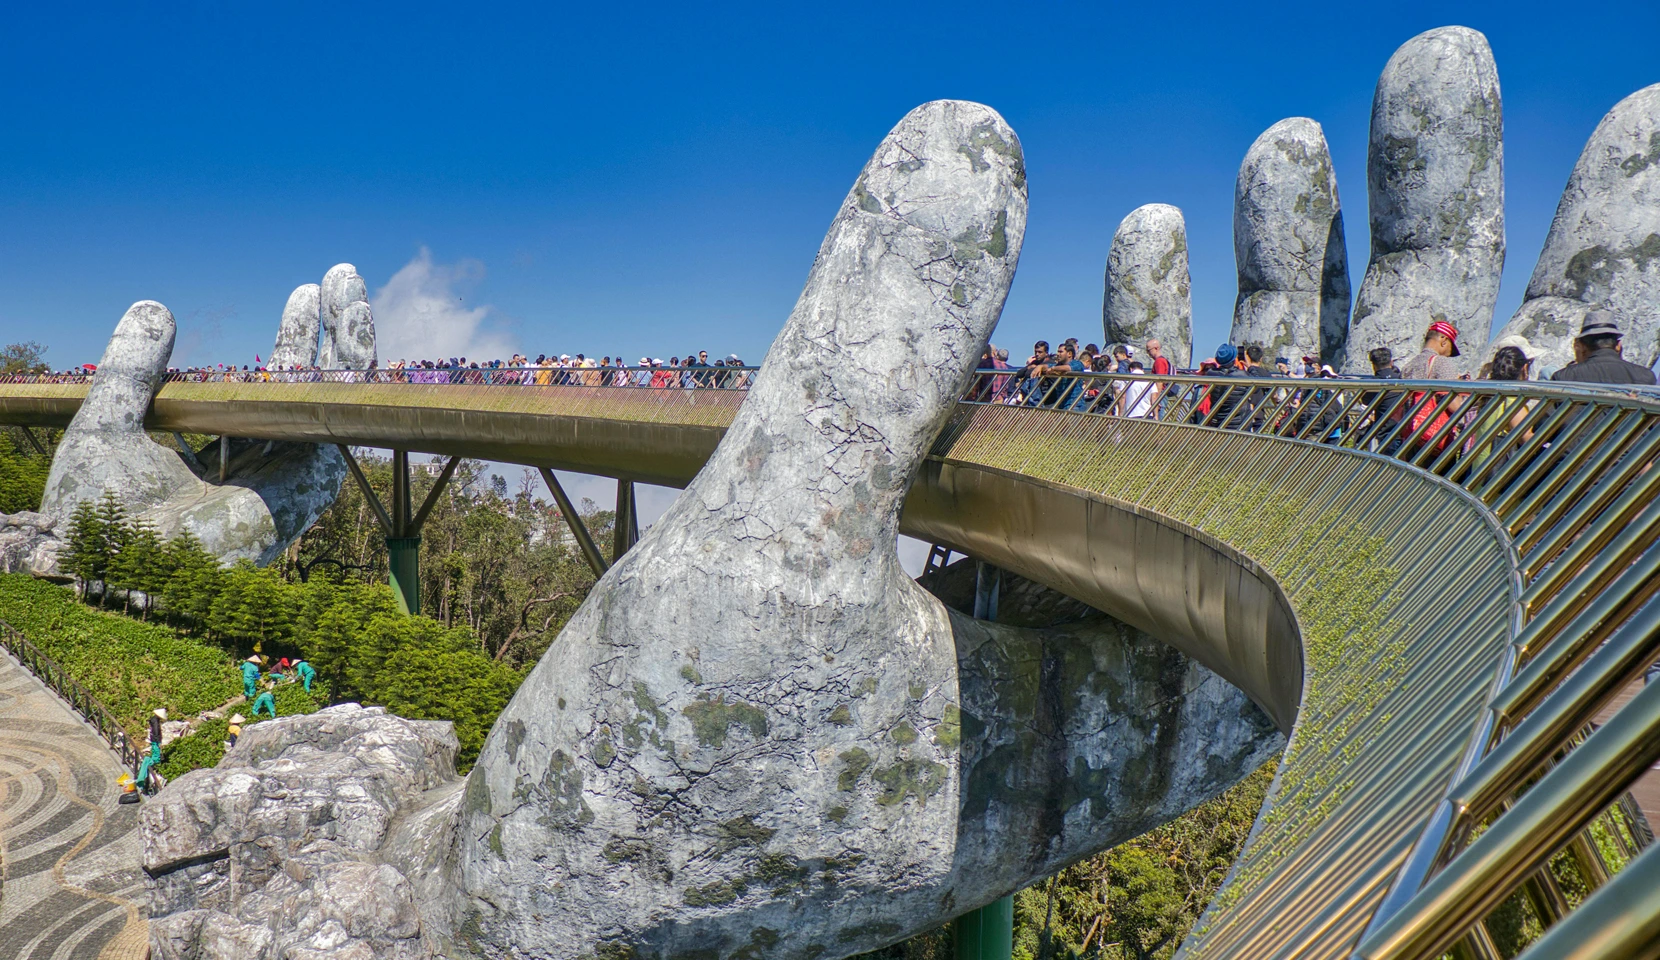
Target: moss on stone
[(712, 718), (855, 762)]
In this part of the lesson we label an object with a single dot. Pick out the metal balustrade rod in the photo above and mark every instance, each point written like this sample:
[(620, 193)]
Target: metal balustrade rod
[(1572, 442), (1568, 584), (1620, 920), (1557, 717), (1475, 474), (1454, 453), (1630, 486), (1529, 448), (1574, 471), (1443, 439), (1562, 803)]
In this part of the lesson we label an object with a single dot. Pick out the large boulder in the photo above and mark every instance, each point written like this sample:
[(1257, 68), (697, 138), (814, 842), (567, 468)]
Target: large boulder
[(1603, 249), (1435, 193), (1288, 246), (275, 853), (1147, 293)]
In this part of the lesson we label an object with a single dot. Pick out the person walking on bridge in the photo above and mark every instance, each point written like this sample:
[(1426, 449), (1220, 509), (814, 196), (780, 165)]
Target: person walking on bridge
[(1597, 355)]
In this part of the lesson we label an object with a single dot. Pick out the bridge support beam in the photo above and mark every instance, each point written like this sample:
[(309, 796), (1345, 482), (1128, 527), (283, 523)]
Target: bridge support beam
[(625, 530), (34, 441), (590, 552), (403, 531), (986, 933)]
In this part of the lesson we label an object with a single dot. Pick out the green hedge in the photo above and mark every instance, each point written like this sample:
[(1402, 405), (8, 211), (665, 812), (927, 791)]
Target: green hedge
[(131, 667)]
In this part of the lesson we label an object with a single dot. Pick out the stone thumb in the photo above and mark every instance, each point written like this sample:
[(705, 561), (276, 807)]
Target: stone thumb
[(131, 371)]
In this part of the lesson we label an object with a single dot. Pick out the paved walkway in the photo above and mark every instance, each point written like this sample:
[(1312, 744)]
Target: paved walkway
[(69, 854)]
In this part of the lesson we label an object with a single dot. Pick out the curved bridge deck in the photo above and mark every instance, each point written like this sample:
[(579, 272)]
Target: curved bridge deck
[(1435, 603)]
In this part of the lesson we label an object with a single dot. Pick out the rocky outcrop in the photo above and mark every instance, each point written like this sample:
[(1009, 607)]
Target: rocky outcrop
[(1288, 246), (275, 854), (1148, 293), (1435, 192), (1603, 250), (29, 543)]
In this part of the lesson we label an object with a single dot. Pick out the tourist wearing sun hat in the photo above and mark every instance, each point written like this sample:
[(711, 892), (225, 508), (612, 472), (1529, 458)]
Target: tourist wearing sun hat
[(1597, 356)]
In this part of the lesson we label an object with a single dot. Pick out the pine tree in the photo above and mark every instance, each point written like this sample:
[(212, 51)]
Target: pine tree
[(116, 531), (194, 582), (87, 559), (134, 566)]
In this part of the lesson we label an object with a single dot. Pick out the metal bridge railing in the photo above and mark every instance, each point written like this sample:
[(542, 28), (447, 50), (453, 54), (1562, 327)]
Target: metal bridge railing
[(679, 378), (71, 691), (1567, 471)]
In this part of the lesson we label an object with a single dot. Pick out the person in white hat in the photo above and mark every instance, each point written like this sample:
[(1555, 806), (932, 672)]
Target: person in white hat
[(1528, 350), (234, 729)]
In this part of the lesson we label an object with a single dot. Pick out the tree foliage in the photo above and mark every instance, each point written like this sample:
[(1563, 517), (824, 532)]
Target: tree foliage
[(501, 565), (22, 474), (1133, 902), (28, 356)]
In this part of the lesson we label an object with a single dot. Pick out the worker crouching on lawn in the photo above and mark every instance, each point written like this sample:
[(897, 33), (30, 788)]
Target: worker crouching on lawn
[(266, 703)]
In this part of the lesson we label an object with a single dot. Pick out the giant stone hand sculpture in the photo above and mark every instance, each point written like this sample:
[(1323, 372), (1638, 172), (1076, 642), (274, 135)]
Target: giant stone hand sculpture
[(272, 493), (1603, 250), (670, 729), (1435, 194)]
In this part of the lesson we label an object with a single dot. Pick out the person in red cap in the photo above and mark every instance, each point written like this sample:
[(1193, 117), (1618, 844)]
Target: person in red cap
[(1434, 361)]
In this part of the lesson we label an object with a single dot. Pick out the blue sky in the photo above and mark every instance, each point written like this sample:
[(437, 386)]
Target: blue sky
[(653, 179)]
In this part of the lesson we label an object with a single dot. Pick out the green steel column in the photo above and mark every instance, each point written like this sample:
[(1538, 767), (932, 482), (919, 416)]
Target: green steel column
[(403, 560), (986, 933)]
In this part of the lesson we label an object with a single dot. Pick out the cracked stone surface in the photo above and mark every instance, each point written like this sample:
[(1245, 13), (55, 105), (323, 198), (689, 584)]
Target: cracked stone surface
[(677, 755), (1148, 293), (271, 854), (1603, 249), (301, 320), (1288, 246), (348, 339), (272, 492), (1435, 194)]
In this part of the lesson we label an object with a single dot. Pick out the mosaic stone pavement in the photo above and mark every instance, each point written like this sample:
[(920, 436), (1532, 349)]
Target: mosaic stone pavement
[(69, 854)]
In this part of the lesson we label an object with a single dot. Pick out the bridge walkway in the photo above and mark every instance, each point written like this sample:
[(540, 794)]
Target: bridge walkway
[(69, 853)]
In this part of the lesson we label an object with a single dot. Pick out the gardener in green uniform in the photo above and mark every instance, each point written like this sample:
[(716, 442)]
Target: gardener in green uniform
[(267, 703), (307, 673), (250, 675), (154, 756)]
